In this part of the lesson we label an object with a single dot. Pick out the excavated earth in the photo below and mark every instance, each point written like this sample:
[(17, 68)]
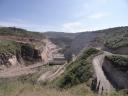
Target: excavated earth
[(30, 59)]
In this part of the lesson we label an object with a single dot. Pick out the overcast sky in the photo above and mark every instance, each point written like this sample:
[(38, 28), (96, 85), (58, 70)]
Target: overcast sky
[(64, 15)]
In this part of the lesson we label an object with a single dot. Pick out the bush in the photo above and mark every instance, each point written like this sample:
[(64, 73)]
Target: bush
[(9, 47), (77, 72), (119, 62)]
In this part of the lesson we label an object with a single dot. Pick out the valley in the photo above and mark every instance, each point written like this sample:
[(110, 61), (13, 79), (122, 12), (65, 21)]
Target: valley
[(94, 63)]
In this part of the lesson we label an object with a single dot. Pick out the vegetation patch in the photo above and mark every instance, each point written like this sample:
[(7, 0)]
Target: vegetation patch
[(117, 42), (12, 31), (25, 51), (24, 87), (119, 62), (78, 71), (117, 38), (9, 47)]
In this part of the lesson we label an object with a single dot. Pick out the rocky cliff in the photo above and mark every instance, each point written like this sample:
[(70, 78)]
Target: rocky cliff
[(116, 74), (23, 54), (51, 52)]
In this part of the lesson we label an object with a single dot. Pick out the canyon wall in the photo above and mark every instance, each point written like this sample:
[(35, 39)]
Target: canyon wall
[(118, 78), (26, 56), (7, 60), (51, 54)]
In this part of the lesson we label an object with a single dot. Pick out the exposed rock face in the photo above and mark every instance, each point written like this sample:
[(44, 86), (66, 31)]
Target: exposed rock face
[(45, 51), (13, 61), (27, 55), (102, 84), (51, 53), (4, 59), (107, 77), (118, 78), (8, 61)]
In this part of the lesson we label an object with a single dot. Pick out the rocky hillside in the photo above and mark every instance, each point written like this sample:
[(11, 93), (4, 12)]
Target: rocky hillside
[(61, 39), (103, 67), (116, 69), (15, 53), (27, 47), (113, 39), (19, 46)]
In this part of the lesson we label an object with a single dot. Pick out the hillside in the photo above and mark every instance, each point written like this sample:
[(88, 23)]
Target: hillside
[(60, 35), (22, 52), (116, 40), (68, 64), (19, 47), (61, 39), (12, 31), (112, 39), (79, 71), (86, 40)]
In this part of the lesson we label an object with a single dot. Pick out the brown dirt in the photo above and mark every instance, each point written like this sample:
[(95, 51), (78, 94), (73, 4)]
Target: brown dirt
[(19, 70)]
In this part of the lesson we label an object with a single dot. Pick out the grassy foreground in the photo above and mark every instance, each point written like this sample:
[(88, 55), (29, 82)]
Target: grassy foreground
[(18, 88)]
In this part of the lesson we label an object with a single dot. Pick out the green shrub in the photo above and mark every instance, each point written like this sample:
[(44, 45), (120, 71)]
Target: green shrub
[(77, 72), (119, 62), (9, 47)]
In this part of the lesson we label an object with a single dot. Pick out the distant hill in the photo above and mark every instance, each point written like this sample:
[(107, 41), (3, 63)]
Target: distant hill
[(109, 39), (117, 40), (61, 39), (12, 31), (113, 39), (85, 40), (53, 34)]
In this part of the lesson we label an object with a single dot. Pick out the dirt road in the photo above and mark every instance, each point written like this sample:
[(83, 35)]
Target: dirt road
[(19, 70), (52, 74)]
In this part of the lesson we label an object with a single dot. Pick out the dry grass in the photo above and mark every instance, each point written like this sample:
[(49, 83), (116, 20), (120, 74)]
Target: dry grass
[(27, 89)]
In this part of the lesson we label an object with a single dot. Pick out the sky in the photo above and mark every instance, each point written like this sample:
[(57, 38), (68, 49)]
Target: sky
[(63, 15)]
